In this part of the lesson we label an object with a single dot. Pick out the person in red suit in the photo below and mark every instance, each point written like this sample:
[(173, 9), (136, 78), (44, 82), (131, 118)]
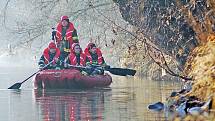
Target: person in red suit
[(65, 36), (95, 59), (51, 53), (94, 55), (76, 56)]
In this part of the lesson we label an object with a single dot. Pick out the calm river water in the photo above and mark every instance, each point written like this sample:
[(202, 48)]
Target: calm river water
[(125, 100)]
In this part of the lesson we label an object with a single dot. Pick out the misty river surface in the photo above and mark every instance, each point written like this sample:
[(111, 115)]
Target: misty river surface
[(125, 100)]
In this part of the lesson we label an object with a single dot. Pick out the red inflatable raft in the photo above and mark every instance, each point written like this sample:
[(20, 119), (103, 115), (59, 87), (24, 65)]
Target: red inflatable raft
[(69, 79)]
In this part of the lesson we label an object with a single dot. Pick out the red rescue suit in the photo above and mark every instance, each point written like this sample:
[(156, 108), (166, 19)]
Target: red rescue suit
[(47, 56), (68, 36), (98, 52)]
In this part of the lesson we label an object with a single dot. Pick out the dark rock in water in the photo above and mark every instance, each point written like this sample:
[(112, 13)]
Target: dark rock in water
[(180, 110), (195, 110), (198, 107), (182, 91), (182, 105), (156, 106), (173, 94)]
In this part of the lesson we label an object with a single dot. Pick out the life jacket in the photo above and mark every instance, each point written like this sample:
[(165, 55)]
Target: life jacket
[(68, 36), (73, 59), (72, 56), (47, 56), (99, 54)]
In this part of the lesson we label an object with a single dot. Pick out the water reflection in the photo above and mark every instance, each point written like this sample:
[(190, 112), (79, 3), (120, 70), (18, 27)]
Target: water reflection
[(126, 101), (67, 105)]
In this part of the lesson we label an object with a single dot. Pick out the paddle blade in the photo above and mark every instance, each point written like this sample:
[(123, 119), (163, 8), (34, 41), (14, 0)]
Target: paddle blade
[(15, 86), (122, 71)]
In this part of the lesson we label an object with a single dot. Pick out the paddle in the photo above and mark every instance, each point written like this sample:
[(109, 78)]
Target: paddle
[(115, 71), (18, 85), (118, 71), (121, 71)]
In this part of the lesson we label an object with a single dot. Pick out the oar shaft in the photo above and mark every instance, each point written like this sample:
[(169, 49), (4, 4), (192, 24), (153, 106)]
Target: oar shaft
[(115, 71), (38, 71), (30, 76), (75, 66)]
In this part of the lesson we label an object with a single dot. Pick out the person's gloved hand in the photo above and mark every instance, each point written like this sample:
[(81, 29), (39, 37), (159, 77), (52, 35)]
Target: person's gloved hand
[(41, 67), (88, 64), (84, 73), (52, 65), (95, 63), (56, 60), (66, 65), (106, 67)]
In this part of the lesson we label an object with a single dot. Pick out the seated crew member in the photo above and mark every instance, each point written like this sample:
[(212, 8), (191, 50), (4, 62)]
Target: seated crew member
[(51, 53), (76, 56), (94, 57)]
